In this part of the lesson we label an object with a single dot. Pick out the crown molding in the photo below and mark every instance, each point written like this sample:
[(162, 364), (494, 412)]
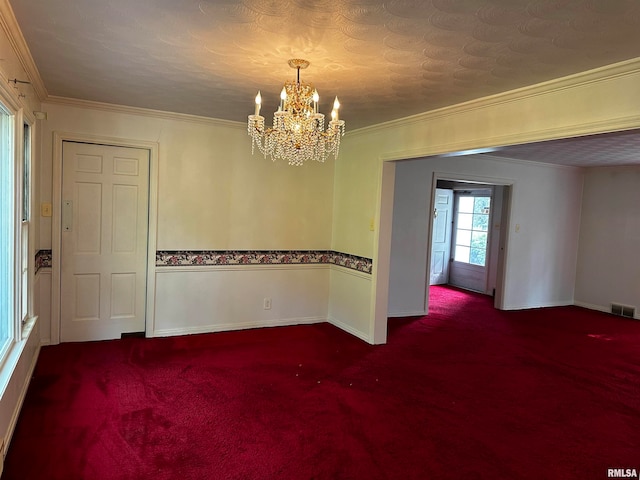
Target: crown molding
[(19, 45), (146, 112), (542, 134), (606, 72)]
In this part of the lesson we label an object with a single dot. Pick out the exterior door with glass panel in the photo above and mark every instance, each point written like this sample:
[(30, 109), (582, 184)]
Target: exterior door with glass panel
[(104, 241), (441, 237), (472, 217)]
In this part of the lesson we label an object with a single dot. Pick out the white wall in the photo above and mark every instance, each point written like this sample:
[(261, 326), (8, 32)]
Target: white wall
[(597, 101), (541, 253), (608, 260), (15, 384), (17, 368), (409, 241), (42, 304), (348, 307), (214, 195), (217, 298)]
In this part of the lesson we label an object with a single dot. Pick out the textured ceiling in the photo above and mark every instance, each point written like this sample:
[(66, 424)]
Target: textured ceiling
[(620, 148), (384, 59)]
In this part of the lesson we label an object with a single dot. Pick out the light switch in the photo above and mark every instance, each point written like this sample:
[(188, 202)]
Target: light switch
[(46, 210), (517, 227)]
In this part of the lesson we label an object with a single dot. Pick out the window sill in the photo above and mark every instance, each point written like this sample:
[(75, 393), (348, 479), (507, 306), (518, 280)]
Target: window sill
[(14, 355), (27, 327)]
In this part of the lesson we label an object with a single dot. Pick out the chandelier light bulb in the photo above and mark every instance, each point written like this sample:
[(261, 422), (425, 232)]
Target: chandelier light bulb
[(336, 106), (258, 103)]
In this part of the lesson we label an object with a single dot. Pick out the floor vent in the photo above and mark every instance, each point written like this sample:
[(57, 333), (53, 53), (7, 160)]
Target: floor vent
[(623, 310)]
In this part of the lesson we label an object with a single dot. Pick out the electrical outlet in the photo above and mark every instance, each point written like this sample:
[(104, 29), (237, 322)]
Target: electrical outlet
[(267, 303)]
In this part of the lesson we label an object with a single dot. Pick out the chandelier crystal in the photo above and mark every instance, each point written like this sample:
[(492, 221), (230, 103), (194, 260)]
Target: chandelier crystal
[(298, 134)]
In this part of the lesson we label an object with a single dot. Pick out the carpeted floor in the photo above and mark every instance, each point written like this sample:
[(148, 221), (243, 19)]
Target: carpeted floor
[(467, 392)]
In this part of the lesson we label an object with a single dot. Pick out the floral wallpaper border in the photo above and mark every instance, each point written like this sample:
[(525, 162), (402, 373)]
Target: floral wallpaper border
[(244, 257), (43, 259), (262, 257)]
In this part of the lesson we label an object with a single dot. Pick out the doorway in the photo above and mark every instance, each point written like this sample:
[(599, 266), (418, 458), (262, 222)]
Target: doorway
[(413, 226), (465, 235), (476, 235)]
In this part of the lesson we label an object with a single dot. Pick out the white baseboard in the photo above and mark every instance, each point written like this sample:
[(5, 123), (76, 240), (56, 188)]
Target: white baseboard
[(407, 314), (18, 407), (223, 327), (562, 303), (591, 306), (603, 309)]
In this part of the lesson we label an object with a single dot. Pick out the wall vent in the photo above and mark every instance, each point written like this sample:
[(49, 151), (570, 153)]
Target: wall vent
[(623, 310)]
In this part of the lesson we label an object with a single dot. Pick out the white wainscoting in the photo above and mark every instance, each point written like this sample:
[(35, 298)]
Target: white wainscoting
[(18, 367), (204, 299), (350, 305), (42, 304)]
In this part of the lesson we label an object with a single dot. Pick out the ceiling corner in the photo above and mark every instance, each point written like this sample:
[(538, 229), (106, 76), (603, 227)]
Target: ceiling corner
[(10, 25)]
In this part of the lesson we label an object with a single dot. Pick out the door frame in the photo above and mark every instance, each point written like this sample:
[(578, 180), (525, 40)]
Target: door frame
[(501, 264), (473, 192), (56, 229), (379, 303)]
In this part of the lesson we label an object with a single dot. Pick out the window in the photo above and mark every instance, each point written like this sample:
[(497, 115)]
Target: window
[(472, 226), (25, 250), (7, 230), (16, 246)]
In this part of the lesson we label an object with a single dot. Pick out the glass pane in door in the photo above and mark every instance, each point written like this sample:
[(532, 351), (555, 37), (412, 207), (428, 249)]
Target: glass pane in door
[(472, 228)]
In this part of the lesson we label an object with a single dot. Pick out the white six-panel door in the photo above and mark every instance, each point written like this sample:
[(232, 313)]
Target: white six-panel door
[(105, 192)]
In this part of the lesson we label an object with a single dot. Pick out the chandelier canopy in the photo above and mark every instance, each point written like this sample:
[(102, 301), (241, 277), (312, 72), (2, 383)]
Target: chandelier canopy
[(298, 133)]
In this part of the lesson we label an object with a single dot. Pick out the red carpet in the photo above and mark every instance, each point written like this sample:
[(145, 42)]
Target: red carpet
[(465, 393)]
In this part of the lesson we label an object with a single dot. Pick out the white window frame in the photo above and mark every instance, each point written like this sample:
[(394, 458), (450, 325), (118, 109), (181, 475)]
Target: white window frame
[(7, 236), (18, 240), (27, 253), (454, 239)]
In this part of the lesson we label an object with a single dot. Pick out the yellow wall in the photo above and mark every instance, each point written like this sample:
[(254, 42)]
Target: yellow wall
[(601, 100)]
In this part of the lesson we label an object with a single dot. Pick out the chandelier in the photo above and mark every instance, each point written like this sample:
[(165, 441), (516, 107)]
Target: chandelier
[(298, 133)]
